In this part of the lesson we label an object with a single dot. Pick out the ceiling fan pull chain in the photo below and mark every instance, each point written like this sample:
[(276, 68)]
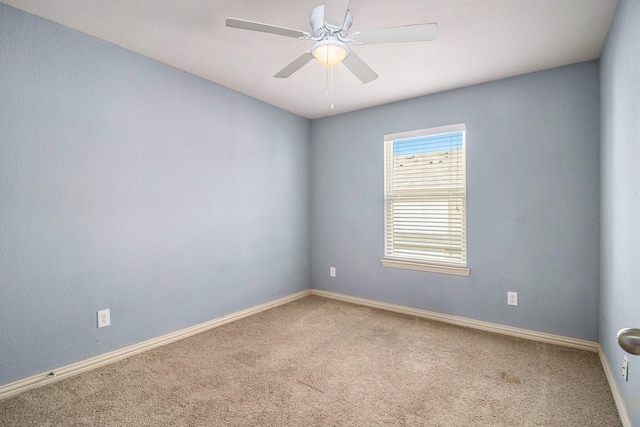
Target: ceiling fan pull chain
[(332, 67), (326, 83)]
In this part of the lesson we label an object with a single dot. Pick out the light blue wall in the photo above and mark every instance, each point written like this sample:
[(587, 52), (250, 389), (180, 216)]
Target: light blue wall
[(620, 195), (532, 181), (130, 185)]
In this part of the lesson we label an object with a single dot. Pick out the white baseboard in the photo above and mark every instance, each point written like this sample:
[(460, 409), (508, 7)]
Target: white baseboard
[(469, 323), (39, 380), (622, 409)]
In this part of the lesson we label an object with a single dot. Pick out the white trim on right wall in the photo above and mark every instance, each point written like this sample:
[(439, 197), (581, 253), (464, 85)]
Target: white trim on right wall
[(469, 323), (617, 398)]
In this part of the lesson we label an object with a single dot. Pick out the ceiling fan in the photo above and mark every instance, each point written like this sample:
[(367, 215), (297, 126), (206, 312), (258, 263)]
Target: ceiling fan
[(330, 24)]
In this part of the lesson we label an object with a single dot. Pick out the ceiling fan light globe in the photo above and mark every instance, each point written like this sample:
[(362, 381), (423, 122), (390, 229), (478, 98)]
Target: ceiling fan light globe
[(330, 51)]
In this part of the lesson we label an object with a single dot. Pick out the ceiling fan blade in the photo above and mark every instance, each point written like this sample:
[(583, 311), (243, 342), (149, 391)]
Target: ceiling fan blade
[(359, 68), (407, 33), (335, 12), (265, 28), (300, 62)]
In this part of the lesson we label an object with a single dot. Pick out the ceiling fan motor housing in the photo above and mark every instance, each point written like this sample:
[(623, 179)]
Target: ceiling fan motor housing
[(322, 29)]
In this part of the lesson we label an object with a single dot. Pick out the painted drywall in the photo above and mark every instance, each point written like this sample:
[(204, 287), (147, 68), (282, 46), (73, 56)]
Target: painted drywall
[(532, 200), (130, 185), (620, 195)]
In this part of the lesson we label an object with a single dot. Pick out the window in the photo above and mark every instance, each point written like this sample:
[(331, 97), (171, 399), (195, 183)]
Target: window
[(425, 200)]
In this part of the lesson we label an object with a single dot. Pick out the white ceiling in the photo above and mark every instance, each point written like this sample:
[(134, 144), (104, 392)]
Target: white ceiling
[(478, 41)]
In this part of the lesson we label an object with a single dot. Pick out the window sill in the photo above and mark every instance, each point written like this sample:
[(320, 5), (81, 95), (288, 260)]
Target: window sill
[(458, 271)]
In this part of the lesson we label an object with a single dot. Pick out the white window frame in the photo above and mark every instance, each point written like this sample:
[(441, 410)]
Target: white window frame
[(422, 262)]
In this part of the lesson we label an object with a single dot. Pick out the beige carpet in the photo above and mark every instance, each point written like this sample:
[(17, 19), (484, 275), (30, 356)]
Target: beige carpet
[(319, 362)]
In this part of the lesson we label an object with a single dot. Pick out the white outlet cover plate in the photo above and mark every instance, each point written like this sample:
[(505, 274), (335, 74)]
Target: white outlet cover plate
[(512, 298), (104, 318)]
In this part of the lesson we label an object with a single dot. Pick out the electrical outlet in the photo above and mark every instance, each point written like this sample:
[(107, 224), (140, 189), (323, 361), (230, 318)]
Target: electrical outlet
[(512, 298), (332, 271), (625, 369), (104, 318)]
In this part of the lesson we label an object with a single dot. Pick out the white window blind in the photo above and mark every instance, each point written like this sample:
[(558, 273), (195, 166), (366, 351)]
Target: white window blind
[(425, 196)]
